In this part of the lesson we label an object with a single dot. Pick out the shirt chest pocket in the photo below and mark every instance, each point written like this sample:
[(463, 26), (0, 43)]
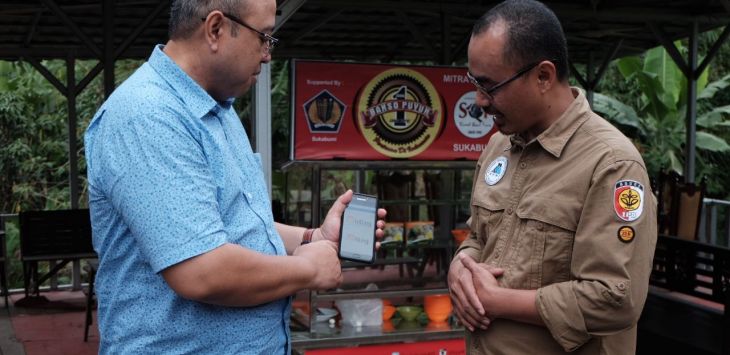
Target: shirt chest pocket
[(485, 223), (547, 231)]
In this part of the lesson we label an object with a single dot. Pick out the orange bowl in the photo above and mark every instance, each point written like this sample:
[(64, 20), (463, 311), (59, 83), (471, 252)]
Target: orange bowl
[(438, 326), (388, 312), (459, 235), (388, 326), (438, 307)]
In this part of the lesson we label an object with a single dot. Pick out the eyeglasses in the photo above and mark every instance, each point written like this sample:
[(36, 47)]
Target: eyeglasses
[(489, 92), (269, 40)]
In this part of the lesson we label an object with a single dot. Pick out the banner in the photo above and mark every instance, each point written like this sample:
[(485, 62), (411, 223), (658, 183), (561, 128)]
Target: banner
[(382, 112)]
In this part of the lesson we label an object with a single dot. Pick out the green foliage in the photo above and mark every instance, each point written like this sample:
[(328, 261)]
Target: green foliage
[(34, 164), (654, 114), (14, 267)]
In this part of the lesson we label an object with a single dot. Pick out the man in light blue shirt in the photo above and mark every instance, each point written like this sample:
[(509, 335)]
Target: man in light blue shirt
[(191, 260)]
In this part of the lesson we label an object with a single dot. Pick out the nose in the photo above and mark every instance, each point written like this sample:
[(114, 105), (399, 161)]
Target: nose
[(267, 57), (482, 100)]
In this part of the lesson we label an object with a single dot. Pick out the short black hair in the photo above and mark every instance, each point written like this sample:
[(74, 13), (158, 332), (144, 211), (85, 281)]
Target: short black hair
[(534, 33)]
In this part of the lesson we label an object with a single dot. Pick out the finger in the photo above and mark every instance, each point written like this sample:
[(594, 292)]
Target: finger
[(377, 245), (380, 224), (382, 213), (465, 294), (470, 292), (460, 313), (463, 321), (496, 271), (468, 262), (485, 322), (468, 319)]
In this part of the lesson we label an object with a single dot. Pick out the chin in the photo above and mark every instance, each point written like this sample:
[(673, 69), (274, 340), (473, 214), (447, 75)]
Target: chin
[(505, 130)]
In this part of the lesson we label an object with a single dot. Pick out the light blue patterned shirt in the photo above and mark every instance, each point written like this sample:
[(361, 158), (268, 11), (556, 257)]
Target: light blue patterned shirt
[(172, 175)]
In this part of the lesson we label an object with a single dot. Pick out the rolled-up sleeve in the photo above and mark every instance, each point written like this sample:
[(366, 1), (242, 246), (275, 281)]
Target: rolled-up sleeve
[(609, 274)]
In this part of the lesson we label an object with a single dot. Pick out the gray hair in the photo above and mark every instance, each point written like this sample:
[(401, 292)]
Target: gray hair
[(186, 15)]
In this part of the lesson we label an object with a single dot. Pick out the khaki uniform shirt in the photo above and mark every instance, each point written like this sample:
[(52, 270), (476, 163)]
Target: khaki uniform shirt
[(571, 215)]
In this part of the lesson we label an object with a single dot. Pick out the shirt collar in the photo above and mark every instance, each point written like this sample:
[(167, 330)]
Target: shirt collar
[(198, 101), (559, 133)]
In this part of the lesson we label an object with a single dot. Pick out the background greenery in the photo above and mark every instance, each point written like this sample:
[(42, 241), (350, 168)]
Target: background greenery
[(34, 164)]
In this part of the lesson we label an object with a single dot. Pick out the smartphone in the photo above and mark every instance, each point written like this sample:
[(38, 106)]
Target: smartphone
[(357, 229)]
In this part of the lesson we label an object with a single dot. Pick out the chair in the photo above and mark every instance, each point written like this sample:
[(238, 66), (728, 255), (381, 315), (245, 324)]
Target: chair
[(679, 205), (91, 267), (665, 187), (52, 235), (687, 210)]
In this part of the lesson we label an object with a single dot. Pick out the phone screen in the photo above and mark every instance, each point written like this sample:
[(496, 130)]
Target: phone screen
[(357, 232)]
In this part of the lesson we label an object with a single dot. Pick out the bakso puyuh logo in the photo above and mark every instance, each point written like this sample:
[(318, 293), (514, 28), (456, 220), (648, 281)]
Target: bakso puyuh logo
[(399, 113)]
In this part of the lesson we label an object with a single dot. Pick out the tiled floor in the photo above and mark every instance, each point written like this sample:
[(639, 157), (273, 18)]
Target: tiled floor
[(55, 326)]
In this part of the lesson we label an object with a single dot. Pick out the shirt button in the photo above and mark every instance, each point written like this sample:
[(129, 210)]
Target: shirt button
[(248, 194), (510, 210), (621, 286), (540, 226), (523, 165)]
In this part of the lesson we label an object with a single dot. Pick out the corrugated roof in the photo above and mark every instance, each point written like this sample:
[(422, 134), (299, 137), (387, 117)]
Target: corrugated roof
[(359, 30)]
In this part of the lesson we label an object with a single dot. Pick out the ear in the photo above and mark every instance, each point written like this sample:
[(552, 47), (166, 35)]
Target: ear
[(213, 28), (546, 75)]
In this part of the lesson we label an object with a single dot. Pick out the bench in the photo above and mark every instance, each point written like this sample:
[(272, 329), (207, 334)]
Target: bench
[(52, 235), (687, 308)]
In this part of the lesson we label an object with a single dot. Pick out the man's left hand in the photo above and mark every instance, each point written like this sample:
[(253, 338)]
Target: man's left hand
[(485, 284)]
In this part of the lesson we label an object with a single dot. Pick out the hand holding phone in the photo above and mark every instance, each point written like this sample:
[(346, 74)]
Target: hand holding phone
[(357, 229)]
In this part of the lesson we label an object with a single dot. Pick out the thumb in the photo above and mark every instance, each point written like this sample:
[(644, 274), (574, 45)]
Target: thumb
[(469, 263), (339, 206), (496, 271)]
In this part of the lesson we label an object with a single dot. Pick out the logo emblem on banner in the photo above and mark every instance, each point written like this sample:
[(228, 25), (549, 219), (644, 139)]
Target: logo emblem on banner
[(628, 199), (399, 112), (324, 113), (470, 119)]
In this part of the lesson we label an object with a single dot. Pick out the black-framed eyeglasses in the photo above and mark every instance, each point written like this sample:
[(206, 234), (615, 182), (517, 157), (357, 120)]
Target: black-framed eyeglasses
[(489, 92), (268, 40)]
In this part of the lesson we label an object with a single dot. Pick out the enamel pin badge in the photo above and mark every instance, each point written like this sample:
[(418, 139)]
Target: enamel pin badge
[(496, 170)]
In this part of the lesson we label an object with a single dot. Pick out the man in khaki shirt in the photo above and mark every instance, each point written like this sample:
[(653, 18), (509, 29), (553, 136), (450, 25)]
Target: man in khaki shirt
[(563, 221)]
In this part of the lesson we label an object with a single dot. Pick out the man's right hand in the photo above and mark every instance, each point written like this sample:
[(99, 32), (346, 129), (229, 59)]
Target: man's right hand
[(325, 265), (464, 296)]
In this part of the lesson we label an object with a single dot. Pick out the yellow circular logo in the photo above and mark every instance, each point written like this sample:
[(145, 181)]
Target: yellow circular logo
[(629, 199), (626, 234), (399, 112)]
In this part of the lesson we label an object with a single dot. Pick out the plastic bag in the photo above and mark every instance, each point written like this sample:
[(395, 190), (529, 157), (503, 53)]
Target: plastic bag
[(362, 312)]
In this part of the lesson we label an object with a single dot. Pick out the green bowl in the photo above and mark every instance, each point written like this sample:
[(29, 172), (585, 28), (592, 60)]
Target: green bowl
[(409, 313)]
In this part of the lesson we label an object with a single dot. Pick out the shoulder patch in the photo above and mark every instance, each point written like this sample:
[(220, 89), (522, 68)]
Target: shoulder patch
[(628, 200)]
